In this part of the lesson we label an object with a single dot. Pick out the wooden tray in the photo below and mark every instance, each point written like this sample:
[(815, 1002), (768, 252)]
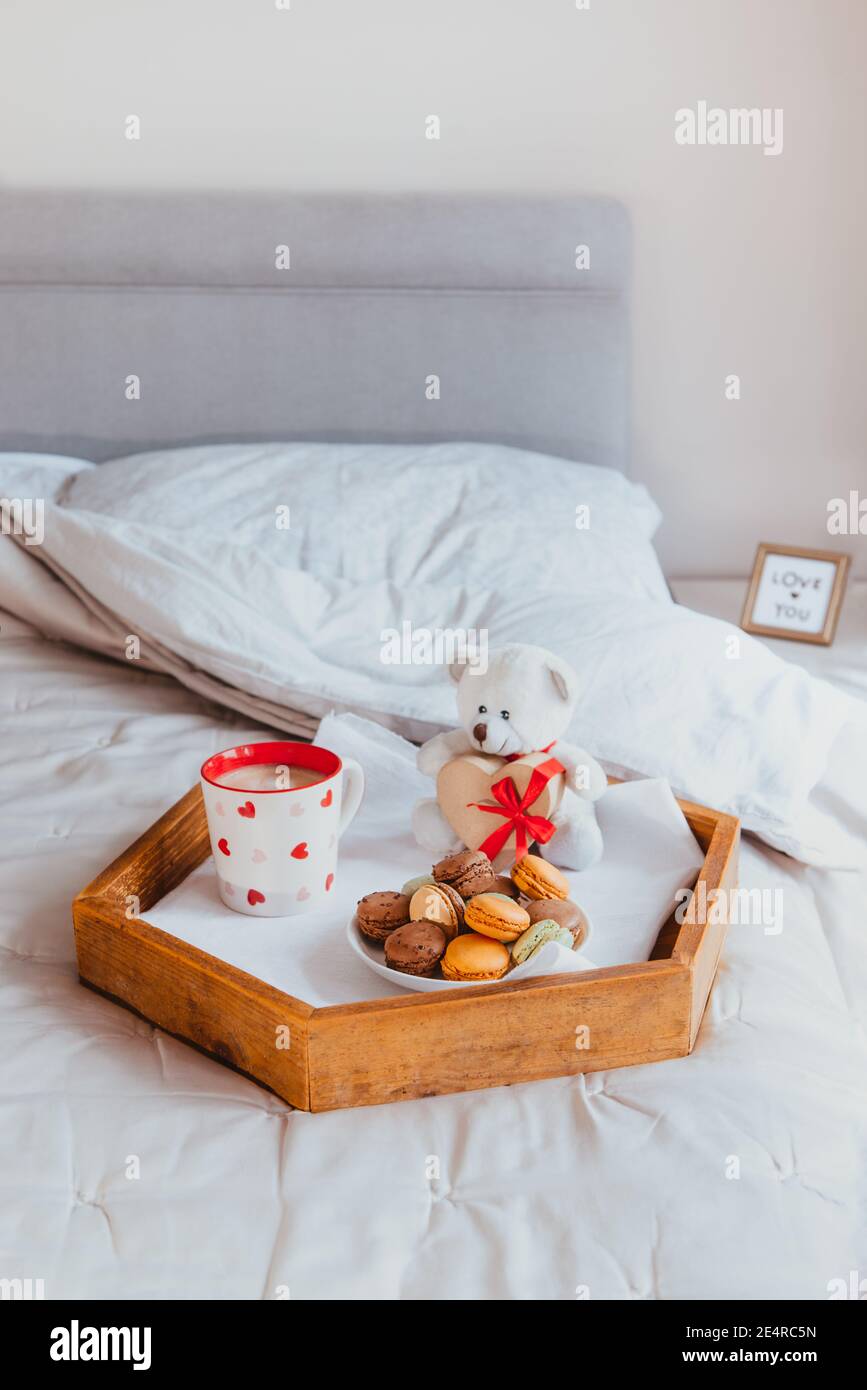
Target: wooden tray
[(396, 1048)]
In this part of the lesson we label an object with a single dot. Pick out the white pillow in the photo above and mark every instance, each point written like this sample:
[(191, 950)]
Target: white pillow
[(478, 515)]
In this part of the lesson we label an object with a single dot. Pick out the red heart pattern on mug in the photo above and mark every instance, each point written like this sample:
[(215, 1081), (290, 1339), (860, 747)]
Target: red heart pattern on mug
[(248, 810), (300, 851), (302, 895), (223, 847), (254, 897), (327, 798), (259, 856), (328, 882)]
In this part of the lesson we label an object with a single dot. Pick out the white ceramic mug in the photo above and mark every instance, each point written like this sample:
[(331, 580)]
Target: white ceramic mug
[(275, 844)]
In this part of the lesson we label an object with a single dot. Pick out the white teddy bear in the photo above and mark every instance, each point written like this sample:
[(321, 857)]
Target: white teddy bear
[(520, 703)]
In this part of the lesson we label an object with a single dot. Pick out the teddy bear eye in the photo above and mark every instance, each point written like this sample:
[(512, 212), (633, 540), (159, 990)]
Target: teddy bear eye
[(483, 709), (504, 714)]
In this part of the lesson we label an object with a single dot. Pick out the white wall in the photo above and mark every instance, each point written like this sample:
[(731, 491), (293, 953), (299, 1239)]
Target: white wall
[(744, 264)]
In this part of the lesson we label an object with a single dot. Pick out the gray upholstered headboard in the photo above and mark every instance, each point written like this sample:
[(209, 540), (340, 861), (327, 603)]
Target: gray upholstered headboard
[(374, 298)]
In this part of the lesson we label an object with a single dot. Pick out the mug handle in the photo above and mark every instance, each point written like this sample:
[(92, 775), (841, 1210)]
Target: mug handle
[(353, 791)]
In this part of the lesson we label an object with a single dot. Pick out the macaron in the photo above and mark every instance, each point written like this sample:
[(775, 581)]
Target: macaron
[(504, 885), (412, 885), (538, 934), (495, 915), (437, 902), (538, 879), (473, 957), (566, 914), (415, 949), (379, 914), (468, 872)]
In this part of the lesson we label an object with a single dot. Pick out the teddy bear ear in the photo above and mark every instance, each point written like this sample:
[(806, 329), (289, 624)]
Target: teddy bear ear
[(564, 679)]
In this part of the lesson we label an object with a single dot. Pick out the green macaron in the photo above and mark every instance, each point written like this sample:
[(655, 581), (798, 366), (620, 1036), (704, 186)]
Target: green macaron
[(537, 935), (420, 881)]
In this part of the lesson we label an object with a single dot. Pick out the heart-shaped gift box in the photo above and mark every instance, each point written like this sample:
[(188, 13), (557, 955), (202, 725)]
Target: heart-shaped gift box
[(465, 783)]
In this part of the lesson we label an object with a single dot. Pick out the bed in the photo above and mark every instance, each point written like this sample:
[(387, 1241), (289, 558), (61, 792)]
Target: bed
[(132, 1166)]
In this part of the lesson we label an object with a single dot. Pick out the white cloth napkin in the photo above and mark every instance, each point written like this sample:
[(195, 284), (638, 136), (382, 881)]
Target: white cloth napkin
[(650, 853)]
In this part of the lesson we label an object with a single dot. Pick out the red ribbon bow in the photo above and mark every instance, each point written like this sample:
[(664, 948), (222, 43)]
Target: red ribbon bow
[(516, 811)]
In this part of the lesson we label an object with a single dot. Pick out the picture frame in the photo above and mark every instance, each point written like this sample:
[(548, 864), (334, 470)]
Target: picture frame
[(798, 602)]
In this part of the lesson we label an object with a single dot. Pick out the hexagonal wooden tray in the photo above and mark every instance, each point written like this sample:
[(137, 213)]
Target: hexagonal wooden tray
[(396, 1048)]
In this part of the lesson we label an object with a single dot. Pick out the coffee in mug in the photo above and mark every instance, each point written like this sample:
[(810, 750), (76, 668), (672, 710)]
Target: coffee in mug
[(268, 777)]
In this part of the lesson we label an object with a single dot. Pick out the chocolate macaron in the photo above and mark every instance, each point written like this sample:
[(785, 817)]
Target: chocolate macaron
[(504, 885), (565, 914), (416, 949), (379, 914), (468, 872)]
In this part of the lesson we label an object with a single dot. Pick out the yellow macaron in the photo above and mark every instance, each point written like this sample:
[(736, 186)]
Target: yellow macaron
[(536, 878), (496, 916), (473, 957)]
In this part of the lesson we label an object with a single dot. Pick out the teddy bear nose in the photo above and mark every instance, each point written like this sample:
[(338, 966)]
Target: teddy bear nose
[(480, 733)]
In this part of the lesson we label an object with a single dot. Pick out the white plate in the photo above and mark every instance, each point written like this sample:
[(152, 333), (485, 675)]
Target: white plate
[(550, 960)]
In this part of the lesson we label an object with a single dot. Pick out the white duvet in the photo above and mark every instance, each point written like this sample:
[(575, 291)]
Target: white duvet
[(187, 553), (133, 1167)]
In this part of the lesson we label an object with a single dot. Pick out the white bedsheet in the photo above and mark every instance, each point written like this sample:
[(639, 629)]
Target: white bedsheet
[(844, 663), (620, 1182)]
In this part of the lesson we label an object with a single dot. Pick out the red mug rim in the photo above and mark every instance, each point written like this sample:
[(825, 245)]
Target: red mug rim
[(308, 755)]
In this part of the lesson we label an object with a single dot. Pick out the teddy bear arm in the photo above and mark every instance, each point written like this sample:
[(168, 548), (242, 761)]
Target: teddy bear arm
[(431, 829), (577, 844), (584, 776), (439, 750)]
